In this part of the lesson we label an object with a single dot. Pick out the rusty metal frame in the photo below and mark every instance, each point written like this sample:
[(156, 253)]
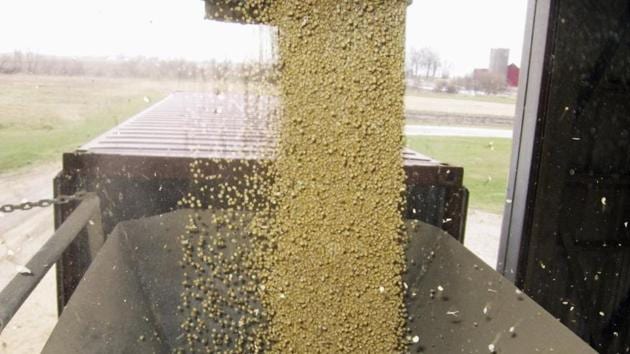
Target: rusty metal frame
[(92, 171), (85, 170)]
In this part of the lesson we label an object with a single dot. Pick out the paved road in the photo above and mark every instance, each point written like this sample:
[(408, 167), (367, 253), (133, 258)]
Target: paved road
[(435, 130)]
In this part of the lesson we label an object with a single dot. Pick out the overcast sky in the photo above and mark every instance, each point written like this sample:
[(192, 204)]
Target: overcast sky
[(461, 31)]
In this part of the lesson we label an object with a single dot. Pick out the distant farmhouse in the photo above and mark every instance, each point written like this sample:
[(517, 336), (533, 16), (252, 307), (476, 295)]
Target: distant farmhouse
[(499, 67)]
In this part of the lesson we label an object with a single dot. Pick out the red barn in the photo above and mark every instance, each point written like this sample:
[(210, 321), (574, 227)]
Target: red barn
[(512, 75)]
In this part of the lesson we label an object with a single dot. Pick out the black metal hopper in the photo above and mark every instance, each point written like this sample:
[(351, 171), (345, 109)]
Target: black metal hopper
[(127, 301)]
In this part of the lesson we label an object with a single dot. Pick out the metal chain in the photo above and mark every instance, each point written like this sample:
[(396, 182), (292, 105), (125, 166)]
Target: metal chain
[(43, 203)]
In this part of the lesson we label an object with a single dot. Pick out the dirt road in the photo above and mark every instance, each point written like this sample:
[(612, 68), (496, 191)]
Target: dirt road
[(458, 106), (22, 233), (483, 231)]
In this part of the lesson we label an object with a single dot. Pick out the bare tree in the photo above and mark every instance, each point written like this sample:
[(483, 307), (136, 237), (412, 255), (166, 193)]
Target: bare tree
[(446, 69), (423, 61), (5, 61), (136, 67), (429, 61), (414, 62), (490, 83)]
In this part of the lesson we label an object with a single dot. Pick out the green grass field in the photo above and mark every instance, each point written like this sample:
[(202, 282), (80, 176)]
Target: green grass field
[(43, 116), (485, 161)]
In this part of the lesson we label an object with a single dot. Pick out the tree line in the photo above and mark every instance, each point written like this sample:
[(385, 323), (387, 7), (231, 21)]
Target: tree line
[(424, 66), (424, 63), (421, 65), (20, 62)]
